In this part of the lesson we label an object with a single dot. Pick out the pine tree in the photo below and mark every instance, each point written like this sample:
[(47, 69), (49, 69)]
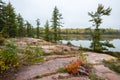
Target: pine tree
[(29, 30), (2, 15), (10, 26), (96, 35), (32, 32), (37, 29), (47, 32), (56, 24), (20, 23)]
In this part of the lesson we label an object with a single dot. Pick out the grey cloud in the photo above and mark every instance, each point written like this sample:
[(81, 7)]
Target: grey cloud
[(74, 11)]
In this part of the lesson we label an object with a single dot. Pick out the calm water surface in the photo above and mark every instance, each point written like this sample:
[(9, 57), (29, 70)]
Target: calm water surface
[(86, 43)]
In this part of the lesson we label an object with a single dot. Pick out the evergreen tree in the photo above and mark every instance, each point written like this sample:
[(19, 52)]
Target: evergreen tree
[(20, 23), (29, 30), (96, 35), (59, 36), (37, 29), (2, 15), (56, 24), (47, 32), (32, 32), (10, 26)]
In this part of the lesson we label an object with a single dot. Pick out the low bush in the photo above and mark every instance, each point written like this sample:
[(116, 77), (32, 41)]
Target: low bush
[(80, 66), (8, 57), (69, 43), (33, 55), (72, 67)]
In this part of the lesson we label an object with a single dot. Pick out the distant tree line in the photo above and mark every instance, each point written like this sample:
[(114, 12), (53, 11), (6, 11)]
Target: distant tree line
[(85, 31)]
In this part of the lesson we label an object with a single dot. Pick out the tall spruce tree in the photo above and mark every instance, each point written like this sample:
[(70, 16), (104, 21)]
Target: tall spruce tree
[(20, 23), (47, 32), (56, 24), (10, 26), (2, 15), (37, 29), (96, 45), (29, 30)]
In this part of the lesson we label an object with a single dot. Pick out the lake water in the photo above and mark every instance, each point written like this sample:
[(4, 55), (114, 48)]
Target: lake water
[(86, 43)]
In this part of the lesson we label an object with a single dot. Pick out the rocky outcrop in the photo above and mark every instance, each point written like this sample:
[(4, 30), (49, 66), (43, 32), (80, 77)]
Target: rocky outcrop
[(97, 58), (105, 72), (54, 62)]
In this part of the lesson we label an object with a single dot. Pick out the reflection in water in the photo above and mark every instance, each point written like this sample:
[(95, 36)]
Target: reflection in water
[(86, 43)]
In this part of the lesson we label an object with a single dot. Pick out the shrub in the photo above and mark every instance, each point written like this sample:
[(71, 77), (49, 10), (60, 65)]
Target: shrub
[(33, 55), (80, 66), (69, 43), (82, 56), (8, 57), (72, 67)]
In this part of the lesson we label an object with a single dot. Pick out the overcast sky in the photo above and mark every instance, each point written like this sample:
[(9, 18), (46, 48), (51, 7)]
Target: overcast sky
[(74, 12)]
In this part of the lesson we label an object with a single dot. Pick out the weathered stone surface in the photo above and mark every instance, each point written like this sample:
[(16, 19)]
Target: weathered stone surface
[(76, 78), (61, 60), (58, 61), (112, 76), (57, 56), (63, 47), (55, 76), (30, 41), (97, 58), (105, 72), (74, 48), (58, 48), (21, 45), (43, 68), (63, 76), (48, 48)]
